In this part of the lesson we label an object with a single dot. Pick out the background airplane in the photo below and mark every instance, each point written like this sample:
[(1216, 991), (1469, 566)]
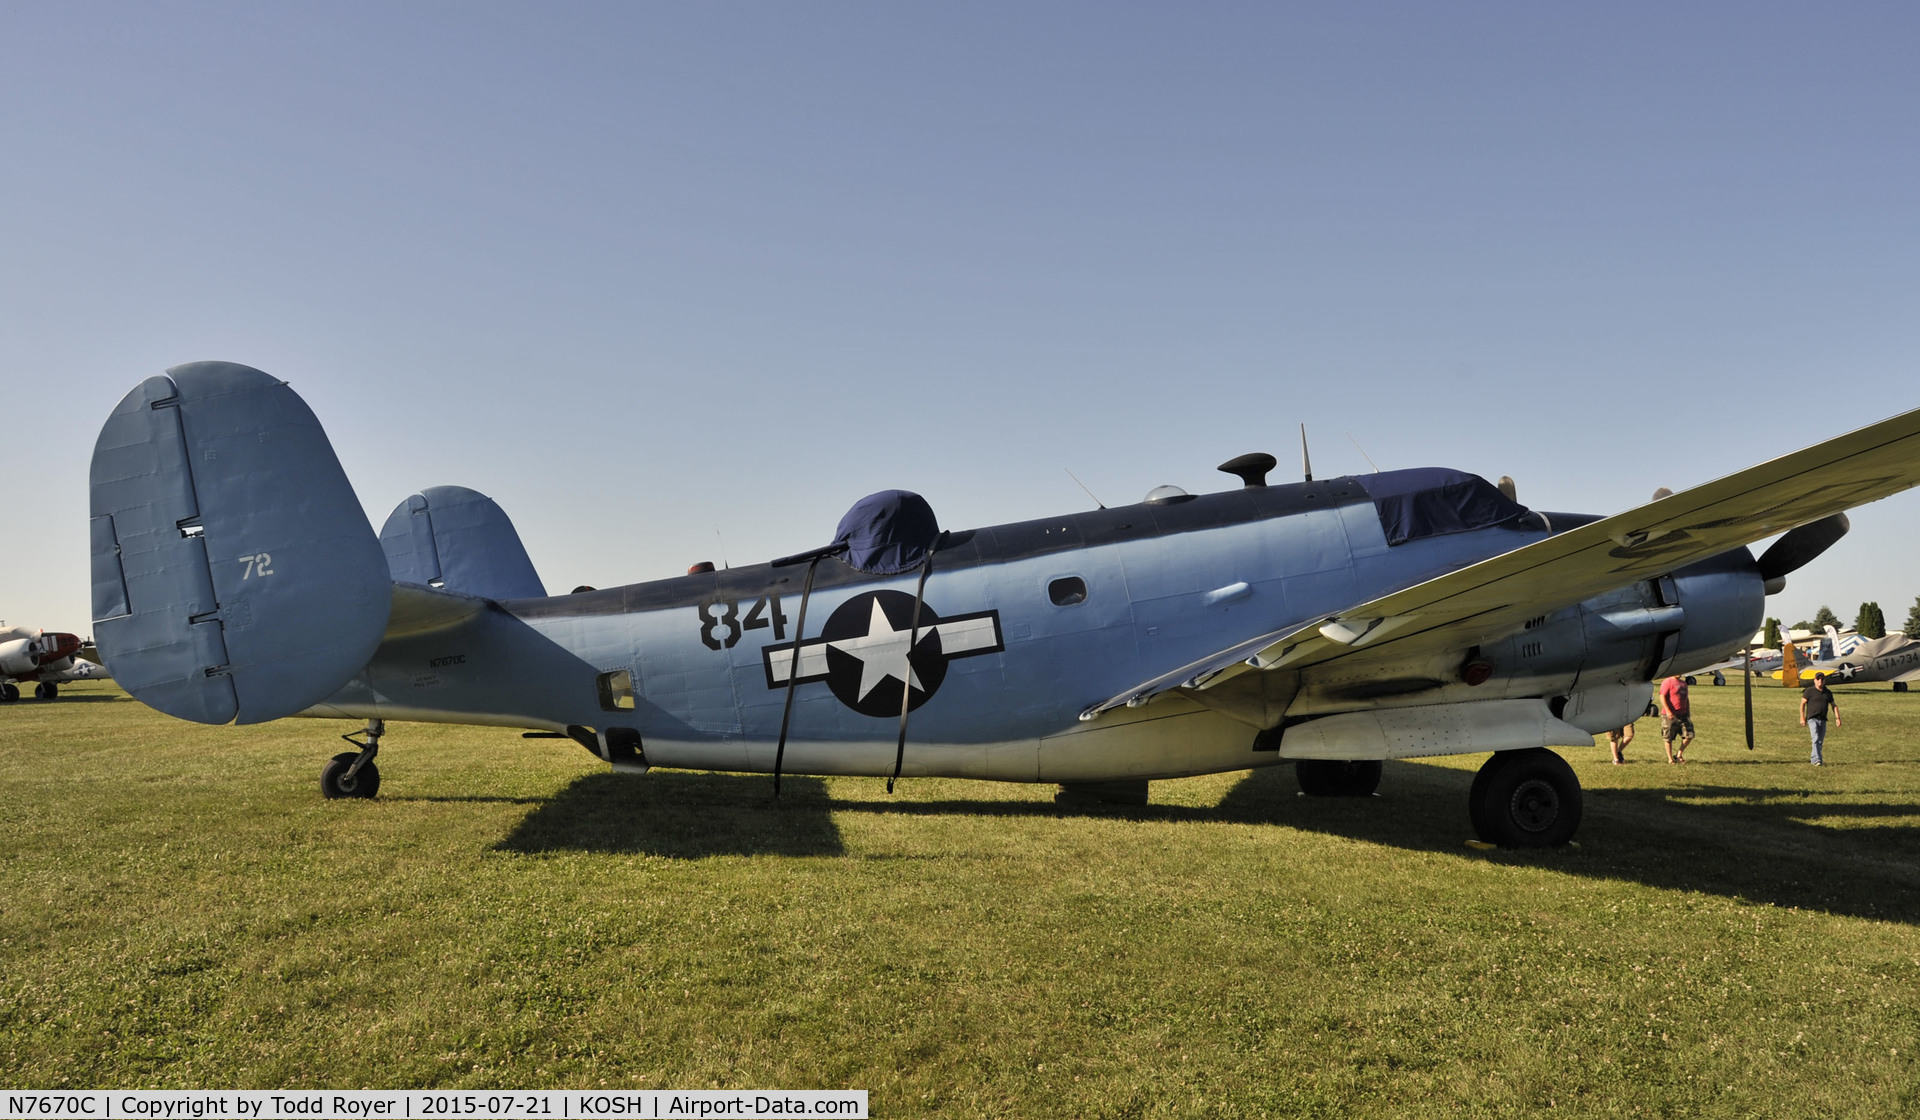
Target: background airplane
[(1895, 657), (1840, 643), (1761, 663), (1767, 662), (1331, 623), (44, 658)]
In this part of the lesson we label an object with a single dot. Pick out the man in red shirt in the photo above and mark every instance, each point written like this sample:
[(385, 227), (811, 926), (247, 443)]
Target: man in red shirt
[(1676, 718)]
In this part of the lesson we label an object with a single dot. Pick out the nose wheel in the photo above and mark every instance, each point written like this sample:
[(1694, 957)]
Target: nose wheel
[(1525, 799), (352, 773)]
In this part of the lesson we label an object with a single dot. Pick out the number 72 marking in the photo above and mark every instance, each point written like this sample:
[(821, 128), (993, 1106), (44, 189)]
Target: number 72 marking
[(257, 565)]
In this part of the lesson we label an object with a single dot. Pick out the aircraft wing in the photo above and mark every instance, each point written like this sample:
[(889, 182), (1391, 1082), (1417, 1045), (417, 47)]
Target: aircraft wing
[(1731, 665), (1492, 598), (80, 670)]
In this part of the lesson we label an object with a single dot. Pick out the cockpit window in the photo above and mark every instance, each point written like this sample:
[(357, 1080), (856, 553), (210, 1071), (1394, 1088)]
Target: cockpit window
[(1434, 501)]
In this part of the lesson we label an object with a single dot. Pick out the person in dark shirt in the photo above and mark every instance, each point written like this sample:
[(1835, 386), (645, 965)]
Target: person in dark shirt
[(1816, 702)]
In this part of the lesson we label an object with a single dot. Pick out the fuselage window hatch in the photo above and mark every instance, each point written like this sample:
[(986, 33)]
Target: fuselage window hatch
[(1067, 591), (616, 691)]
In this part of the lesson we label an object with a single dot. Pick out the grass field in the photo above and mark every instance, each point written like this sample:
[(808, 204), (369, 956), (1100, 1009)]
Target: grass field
[(1736, 937)]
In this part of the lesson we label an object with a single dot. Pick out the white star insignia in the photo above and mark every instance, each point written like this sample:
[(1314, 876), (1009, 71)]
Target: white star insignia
[(882, 652)]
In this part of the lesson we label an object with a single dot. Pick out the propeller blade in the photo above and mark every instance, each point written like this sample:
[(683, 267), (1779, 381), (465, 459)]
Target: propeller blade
[(1799, 546), (1749, 675)]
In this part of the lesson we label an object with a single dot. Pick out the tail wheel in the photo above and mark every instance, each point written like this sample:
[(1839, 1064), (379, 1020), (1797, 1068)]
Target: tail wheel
[(1525, 799), (1325, 777), (334, 782)]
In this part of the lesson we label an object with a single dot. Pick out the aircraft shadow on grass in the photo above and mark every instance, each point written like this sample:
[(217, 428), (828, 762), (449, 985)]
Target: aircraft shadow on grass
[(1752, 843), (682, 815)]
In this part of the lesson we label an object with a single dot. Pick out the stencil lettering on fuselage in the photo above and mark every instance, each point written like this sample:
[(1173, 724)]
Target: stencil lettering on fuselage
[(862, 652)]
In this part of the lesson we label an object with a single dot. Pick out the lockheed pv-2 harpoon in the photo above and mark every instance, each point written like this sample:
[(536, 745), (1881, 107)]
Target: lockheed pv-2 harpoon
[(1332, 624)]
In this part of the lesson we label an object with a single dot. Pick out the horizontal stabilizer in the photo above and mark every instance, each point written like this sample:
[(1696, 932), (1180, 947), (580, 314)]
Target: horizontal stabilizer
[(421, 610), (235, 576), (461, 540)]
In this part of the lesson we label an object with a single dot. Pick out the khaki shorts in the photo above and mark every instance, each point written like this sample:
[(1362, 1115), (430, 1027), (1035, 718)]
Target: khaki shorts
[(1676, 727)]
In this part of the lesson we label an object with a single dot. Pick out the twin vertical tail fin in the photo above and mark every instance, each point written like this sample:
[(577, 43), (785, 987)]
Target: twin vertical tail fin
[(461, 540), (235, 576)]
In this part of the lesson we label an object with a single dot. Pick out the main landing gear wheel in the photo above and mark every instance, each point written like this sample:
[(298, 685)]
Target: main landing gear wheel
[(9, 692), (1525, 799), (352, 773), (1326, 777), (334, 781), (46, 690)]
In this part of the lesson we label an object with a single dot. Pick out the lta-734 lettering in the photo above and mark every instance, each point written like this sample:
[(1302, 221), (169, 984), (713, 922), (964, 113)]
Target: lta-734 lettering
[(1328, 623)]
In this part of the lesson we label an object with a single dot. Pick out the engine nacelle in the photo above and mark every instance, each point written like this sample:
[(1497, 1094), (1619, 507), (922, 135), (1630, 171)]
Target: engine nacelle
[(23, 657), (1700, 614), (1725, 600), (17, 657), (1594, 663)]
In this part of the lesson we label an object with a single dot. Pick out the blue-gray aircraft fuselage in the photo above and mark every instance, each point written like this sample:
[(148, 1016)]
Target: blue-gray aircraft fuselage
[(1023, 627), (1336, 623)]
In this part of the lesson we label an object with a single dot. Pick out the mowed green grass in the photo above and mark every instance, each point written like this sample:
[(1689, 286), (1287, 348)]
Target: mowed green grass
[(1736, 937)]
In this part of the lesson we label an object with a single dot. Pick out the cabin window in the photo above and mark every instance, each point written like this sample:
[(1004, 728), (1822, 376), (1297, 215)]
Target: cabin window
[(616, 691), (1067, 591)]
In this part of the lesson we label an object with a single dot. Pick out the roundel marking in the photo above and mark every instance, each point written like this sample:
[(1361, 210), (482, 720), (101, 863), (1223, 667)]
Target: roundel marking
[(867, 652)]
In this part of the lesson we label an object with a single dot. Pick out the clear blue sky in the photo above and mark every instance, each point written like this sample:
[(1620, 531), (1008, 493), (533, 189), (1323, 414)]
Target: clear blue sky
[(662, 278)]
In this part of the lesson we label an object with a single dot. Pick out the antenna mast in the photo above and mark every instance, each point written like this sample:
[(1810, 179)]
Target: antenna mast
[(1083, 486), (1306, 464), (1363, 454)]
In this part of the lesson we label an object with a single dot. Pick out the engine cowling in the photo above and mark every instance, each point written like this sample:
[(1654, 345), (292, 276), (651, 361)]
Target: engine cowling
[(23, 657), (17, 657), (1594, 663)]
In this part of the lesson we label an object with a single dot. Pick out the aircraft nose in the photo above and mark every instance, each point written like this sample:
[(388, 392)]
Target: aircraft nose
[(64, 645)]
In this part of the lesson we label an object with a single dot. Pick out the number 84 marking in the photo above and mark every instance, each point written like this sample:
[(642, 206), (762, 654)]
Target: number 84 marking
[(721, 624)]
